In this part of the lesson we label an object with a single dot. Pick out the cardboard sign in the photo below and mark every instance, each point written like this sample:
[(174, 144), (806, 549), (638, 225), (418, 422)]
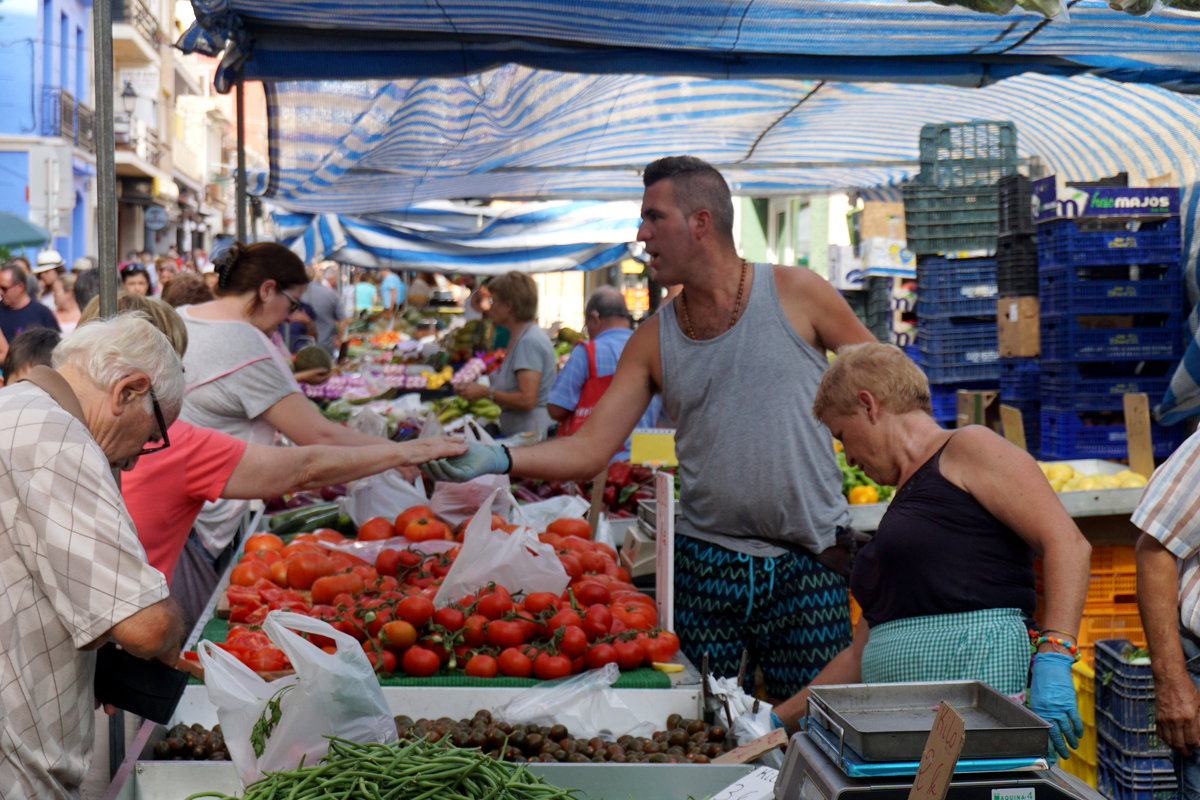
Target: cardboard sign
[(664, 542), (1013, 426), (758, 785), (751, 750), (1137, 429), (942, 748)]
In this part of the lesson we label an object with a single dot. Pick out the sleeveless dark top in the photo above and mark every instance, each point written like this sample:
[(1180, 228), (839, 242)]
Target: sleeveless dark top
[(938, 551)]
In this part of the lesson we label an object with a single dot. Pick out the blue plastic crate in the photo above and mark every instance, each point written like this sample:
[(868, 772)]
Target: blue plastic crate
[(976, 307), (1065, 395), (1020, 379), (1063, 290), (982, 372), (1062, 243), (1104, 380), (1066, 435), (938, 272), (1111, 664), (1141, 743), (1134, 769), (1117, 782), (1064, 338)]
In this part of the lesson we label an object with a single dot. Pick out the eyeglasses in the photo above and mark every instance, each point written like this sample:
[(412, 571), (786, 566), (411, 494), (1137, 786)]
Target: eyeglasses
[(4, 289), (293, 303), (162, 428)]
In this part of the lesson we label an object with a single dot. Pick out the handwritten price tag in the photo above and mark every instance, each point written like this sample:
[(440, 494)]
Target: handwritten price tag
[(942, 748), (758, 785)]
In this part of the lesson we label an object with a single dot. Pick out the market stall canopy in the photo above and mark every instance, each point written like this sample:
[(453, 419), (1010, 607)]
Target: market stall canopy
[(840, 40), (481, 240), (19, 232)]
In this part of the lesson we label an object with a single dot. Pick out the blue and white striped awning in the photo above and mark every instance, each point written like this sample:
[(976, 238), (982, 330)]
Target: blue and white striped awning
[(481, 240)]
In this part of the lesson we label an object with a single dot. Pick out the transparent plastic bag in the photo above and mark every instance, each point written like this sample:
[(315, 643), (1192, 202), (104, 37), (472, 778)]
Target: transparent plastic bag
[(272, 725), (384, 494), (455, 502), (586, 703)]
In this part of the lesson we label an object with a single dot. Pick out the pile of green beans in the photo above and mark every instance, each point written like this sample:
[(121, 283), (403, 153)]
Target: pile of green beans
[(413, 770)]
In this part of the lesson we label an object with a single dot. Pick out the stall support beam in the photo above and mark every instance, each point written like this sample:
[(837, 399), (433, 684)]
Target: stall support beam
[(106, 160), (241, 160)]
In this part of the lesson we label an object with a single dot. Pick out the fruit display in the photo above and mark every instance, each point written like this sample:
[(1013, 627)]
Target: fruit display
[(192, 743), (1064, 478), (388, 606), (681, 740), (451, 408), (857, 487), (626, 485)]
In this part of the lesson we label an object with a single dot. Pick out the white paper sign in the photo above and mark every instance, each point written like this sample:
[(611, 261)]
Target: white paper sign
[(664, 547), (758, 785)]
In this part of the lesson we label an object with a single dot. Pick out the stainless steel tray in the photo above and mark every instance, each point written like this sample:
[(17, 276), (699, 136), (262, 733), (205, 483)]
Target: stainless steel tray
[(890, 721)]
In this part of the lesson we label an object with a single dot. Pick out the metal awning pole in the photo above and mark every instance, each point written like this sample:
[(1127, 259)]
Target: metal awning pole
[(241, 160), (106, 162)]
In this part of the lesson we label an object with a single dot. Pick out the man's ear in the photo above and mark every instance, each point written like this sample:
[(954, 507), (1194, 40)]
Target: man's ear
[(701, 222), (129, 390)]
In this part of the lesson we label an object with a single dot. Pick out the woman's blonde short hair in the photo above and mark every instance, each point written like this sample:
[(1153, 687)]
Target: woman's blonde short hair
[(519, 291), (165, 318), (881, 369)]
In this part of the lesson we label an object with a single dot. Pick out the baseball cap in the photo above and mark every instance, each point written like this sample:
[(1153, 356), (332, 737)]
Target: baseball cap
[(47, 260)]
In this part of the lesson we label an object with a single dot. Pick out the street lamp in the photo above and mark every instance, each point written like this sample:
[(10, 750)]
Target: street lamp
[(129, 98)]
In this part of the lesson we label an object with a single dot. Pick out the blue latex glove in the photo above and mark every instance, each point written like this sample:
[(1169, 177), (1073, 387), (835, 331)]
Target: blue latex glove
[(1052, 697), (480, 459), (776, 722)]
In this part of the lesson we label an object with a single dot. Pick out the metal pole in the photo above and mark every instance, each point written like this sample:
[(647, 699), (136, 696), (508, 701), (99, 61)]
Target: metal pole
[(106, 161), (241, 161)]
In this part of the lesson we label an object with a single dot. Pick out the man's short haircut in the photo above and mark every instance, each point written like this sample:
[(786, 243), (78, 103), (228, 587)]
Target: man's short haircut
[(18, 275), (108, 350), (607, 302), (30, 348), (697, 185)]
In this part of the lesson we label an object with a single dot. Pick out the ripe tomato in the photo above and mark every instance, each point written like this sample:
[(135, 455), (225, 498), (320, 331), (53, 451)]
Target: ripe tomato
[(420, 662), (605, 549), (266, 659), (409, 514), (374, 529), (262, 541), (305, 568), (279, 572), (538, 602), (658, 646), (597, 621), (248, 573), (637, 616), (398, 635), (498, 522), (384, 661), (328, 535), (589, 593), (295, 548), (574, 642), (494, 605), (505, 633), (598, 655), (265, 556), (325, 588), (571, 565), (415, 609), (629, 654), (563, 618), (593, 562), (515, 664), (449, 618), (475, 630), (570, 526), (547, 667), (248, 613), (482, 666), (387, 562), (422, 529)]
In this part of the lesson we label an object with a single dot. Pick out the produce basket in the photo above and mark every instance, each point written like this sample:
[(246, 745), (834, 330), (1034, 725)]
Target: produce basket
[(1069, 337), (1075, 290), (947, 221), (1062, 242), (977, 153)]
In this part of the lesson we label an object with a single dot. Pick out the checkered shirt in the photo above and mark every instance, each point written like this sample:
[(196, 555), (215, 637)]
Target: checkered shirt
[(1170, 512), (71, 567)]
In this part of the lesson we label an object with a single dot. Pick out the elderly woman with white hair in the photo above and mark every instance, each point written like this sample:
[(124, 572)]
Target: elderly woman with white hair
[(72, 572)]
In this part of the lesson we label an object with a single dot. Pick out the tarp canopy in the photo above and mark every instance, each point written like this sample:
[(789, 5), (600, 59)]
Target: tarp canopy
[(487, 240), (19, 232)]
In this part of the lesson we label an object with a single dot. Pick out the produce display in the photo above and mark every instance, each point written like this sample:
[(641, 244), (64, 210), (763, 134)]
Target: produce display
[(412, 769), (1064, 478), (388, 605), (627, 485), (192, 743), (451, 408), (681, 740), (857, 487)]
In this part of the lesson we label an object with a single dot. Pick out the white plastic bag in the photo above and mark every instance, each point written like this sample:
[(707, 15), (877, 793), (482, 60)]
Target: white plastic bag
[(586, 703), (384, 494), (751, 717), (539, 515), (518, 561), (455, 502), (331, 694)]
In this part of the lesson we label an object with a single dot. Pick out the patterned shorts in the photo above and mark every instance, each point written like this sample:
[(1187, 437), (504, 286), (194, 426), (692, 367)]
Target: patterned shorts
[(789, 612)]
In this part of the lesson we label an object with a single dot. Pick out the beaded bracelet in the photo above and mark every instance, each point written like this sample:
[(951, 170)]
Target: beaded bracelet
[(1071, 647)]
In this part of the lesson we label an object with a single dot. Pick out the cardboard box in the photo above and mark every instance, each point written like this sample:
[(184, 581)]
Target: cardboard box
[(978, 407), (1017, 326), (882, 219), (886, 257), (845, 268)]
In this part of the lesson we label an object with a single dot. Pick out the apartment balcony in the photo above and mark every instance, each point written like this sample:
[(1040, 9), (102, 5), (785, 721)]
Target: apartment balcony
[(63, 115), (136, 32), (139, 148)]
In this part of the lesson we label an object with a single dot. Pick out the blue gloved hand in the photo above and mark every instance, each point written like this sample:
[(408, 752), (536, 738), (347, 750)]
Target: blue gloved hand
[(480, 459), (1052, 697), (776, 722)]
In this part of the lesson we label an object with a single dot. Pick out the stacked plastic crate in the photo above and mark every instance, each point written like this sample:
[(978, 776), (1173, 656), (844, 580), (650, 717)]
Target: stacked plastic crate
[(1111, 307), (951, 220), (1016, 280), (1133, 763)]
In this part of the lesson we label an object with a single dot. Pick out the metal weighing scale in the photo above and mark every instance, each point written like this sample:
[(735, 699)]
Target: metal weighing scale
[(865, 741)]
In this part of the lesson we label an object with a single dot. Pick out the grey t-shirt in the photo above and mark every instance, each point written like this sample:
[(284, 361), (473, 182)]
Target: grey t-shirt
[(532, 350), (327, 311)]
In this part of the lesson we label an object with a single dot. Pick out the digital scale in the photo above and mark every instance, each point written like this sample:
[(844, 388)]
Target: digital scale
[(866, 740)]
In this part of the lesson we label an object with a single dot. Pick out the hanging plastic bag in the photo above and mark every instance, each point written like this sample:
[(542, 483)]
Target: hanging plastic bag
[(272, 725), (518, 561), (455, 502), (586, 703), (384, 494), (539, 515)]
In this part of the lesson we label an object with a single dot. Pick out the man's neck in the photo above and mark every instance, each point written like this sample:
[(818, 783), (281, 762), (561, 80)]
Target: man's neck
[(18, 307)]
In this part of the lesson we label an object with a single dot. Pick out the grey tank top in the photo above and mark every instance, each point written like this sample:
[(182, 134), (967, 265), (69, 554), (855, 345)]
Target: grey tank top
[(756, 467)]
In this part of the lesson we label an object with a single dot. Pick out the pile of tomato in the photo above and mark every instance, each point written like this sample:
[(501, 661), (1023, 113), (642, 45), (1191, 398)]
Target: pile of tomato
[(388, 606)]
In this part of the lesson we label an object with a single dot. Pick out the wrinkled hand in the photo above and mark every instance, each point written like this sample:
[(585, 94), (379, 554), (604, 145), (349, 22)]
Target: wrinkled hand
[(479, 459), (1052, 697), (1177, 714), (418, 451)]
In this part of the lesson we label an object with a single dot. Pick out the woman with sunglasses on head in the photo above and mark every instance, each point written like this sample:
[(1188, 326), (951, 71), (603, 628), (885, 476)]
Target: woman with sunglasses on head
[(135, 279)]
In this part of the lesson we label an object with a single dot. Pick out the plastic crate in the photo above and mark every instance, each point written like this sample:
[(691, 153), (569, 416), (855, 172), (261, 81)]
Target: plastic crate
[(1117, 591), (1020, 379), (938, 272), (1066, 337), (947, 221), (1102, 384), (1061, 242), (1063, 396), (1016, 205), (1073, 433), (943, 398), (1064, 290), (1084, 678), (964, 306), (1017, 265), (1118, 781), (976, 153), (1134, 769), (1114, 558), (1141, 743), (1095, 627), (964, 372)]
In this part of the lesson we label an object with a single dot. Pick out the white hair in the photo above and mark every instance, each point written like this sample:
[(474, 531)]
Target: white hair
[(110, 349)]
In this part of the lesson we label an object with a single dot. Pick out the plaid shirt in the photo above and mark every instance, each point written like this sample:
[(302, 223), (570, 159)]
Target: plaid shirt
[(71, 567), (1170, 512)]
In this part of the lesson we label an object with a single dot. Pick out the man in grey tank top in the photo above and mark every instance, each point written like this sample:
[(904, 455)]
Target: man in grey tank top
[(761, 490)]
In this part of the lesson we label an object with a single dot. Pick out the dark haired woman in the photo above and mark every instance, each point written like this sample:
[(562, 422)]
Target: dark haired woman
[(135, 279)]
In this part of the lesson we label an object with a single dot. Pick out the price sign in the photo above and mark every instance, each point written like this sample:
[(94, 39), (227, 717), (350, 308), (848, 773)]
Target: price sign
[(942, 748), (664, 546), (758, 785)]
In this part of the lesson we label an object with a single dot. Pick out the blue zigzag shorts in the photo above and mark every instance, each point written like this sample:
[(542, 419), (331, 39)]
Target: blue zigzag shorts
[(790, 612)]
